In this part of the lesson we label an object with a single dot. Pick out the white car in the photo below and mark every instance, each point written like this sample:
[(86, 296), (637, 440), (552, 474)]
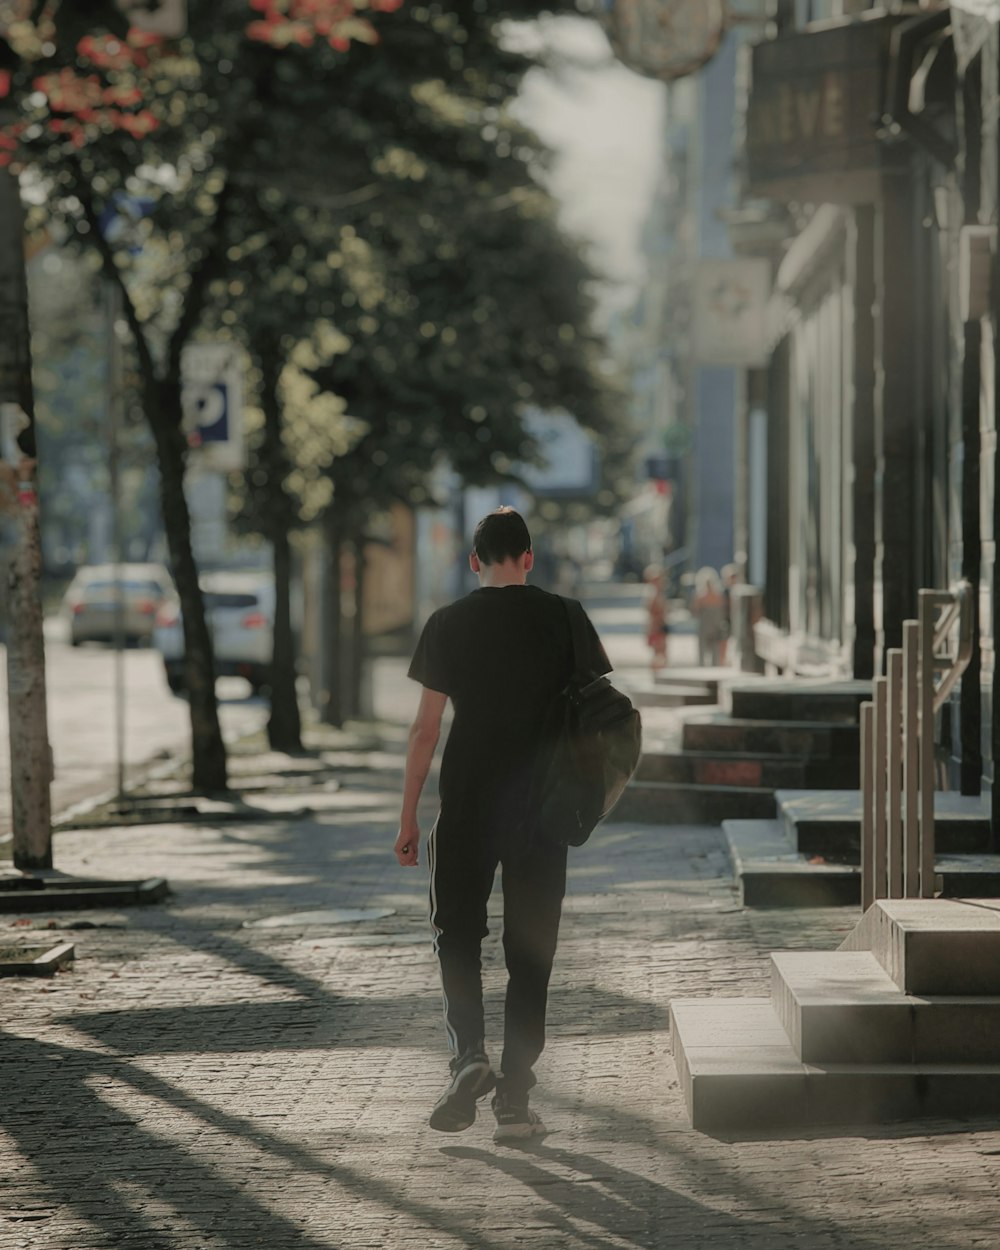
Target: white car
[(240, 612), (103, 599)]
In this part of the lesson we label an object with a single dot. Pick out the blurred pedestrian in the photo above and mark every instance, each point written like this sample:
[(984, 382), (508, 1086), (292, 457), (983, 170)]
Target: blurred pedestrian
[(709, 609), (656, 615), (731, 576), (567, 580), (501, 655)]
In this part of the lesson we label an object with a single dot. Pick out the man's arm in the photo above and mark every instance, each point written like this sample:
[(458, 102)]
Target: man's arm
[(424, 734)]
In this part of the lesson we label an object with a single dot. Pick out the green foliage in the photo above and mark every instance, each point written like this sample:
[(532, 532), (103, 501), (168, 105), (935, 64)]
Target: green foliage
[(374, 220), (436, 298)]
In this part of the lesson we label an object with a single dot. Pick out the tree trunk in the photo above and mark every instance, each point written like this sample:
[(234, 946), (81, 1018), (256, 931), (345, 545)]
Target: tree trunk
[(208, 752), (162, 395), (31, 756), (284, 727), (360, 676), (348, 641), (331, 701)]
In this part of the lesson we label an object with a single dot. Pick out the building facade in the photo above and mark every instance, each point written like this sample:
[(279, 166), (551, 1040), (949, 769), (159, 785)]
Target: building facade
[(870, 140), (686, 396)]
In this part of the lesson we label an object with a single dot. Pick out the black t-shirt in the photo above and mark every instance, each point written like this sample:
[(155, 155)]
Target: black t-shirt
[(501, 655)]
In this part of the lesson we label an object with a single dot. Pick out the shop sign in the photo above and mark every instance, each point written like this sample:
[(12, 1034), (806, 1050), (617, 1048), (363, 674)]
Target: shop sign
[(729, 307), (212, 404), (814, 112)]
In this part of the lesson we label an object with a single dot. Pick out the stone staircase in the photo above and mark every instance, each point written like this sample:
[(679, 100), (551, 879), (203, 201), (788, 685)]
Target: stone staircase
[(809, 855), (726, 762), (678, 687), (902, 1022)]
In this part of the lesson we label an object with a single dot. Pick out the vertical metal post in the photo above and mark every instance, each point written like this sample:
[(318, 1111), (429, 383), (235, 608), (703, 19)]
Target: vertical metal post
[(114, 397), (911, 760), (867, 808), (926, 749), (894, 772), (879, 733)]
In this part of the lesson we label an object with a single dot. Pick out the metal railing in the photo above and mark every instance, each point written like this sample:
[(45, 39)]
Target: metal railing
[(897, 747)]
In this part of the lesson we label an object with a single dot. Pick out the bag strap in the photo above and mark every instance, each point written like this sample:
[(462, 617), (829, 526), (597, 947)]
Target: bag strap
[(578, 631)]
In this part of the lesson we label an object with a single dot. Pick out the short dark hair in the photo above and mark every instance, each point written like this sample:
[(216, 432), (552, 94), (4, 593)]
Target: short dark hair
[(502, 535)]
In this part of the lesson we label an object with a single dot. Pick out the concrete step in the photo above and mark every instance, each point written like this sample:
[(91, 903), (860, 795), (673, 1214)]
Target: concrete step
[(717, 731), (969, 876), (771, 873), (934, 946), (728, 768), (843, 1007), (738, 1071), (712, 678), (671, 803), (649, 693), (793, 699), (828, 823)]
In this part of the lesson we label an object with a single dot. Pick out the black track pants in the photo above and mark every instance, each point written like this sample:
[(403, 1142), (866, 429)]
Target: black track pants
[(534, 883)]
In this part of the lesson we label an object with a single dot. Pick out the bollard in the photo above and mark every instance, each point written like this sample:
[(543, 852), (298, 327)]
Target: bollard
[(925, 764), (911, 759), (894, 774), (867, 807), (879, 727)]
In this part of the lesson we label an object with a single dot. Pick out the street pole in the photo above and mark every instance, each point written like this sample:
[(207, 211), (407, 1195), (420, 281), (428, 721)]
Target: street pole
[(31, 755), (117, 555)]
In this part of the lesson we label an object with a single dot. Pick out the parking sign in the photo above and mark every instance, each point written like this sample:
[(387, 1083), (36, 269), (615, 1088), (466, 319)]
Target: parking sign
[(212, 403)]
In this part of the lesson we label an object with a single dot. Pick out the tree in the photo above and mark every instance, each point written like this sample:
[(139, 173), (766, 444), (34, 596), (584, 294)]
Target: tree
[(410, 150), (445, 364), (437, 341), (31, 764), (108, 115), (456, 300)]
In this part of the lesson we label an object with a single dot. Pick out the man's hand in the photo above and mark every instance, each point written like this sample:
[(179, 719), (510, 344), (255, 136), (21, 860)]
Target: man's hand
[(408, 842), (419, 752)]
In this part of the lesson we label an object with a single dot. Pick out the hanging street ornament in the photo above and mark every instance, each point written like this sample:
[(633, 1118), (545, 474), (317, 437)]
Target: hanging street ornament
[(665, 39)]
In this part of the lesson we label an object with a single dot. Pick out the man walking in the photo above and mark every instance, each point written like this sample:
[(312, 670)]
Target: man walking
[(501, 654)]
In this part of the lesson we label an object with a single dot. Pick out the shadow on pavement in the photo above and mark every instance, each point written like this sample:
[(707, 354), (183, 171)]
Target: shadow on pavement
[(319, 1019), (632, 1209), (151, 1193)]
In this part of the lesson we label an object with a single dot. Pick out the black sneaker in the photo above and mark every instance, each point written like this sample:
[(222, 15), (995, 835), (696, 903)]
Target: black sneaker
[(472, 1077), (515, 1119)]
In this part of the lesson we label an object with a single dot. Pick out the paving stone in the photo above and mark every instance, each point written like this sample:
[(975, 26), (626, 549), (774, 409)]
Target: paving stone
[(195, 1084)]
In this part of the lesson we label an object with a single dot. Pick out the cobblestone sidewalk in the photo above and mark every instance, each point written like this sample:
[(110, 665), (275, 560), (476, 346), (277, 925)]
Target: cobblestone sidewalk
[(196, 1084)]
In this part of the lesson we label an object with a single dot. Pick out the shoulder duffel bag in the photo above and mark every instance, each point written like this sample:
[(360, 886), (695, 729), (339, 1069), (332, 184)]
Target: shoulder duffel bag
[(593, 743)]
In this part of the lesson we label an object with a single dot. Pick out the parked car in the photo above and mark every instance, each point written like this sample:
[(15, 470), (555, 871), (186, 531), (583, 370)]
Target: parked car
[(240, 612), (92, 600)]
